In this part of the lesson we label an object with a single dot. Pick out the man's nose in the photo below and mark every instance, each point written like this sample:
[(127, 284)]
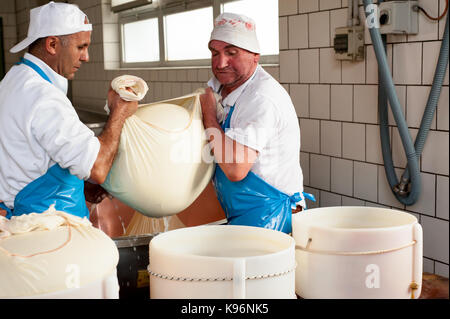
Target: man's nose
[(222, 61), (85, 56)]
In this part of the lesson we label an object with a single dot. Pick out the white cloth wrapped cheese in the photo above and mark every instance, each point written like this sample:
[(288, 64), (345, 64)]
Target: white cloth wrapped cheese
[(163, 162), (160, 167), (52, 252)]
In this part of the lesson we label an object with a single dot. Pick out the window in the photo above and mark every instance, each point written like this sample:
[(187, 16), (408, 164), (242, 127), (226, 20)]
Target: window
[(138, 48), (187, 34), (176, 32)]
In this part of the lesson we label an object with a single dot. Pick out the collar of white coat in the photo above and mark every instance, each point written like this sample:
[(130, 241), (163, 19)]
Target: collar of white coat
[(57, 80), (231, 98)]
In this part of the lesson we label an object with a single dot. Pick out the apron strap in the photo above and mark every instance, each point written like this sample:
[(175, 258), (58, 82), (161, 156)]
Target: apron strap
[(34, 67)]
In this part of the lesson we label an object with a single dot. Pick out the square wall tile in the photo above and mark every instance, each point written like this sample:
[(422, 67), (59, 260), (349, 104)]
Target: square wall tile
[(319, 29), (203, 74), (353, 72), (191, 75), (435, 238), (372, 204), (350, 201), (442, 191), (330, 138), (305, 6), (298, 31), (373, 144), (371, 66), (342, 176), (287, 7), (274, 71), (406, 65), (353, 141), (435, 153), (329, 199), (300, 98), (309, 66), (162, 75), (110, 33), (181, 75), (441, 269), (320, 171), (365, 104), (430, 58), (417, 97), (428, 265), (310, 135), (289, 68), (342, 102), (365, 179), (319, 101), (304, 164), (442, 6), (330, 68), (329, 4), (283, 33), (442, 110)]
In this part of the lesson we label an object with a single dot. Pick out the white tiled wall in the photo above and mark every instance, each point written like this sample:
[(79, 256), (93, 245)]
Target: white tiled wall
[(335, 101), (337, 106), (9, 17)]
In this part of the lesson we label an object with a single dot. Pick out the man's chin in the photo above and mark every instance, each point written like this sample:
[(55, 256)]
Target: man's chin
[(225, 80), (70, 76)]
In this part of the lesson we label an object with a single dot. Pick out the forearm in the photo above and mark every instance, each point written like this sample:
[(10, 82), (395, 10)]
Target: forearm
[(234, 159), (109, 143)]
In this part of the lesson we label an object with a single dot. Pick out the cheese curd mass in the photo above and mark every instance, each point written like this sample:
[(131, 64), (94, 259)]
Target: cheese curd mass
[(51, 252)]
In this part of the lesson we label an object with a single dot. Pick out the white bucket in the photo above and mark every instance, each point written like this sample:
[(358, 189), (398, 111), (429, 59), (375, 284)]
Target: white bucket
[(222, 261), (357, 252)]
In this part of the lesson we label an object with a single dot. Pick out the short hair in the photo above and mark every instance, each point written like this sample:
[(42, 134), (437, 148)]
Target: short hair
[(39, 43)]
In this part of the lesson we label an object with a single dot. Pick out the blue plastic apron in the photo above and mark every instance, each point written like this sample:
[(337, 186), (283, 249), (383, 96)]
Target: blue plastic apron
[(254, 202), (57, 186)]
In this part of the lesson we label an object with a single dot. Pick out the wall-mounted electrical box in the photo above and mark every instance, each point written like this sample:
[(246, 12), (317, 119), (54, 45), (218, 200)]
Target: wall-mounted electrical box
[(349, 43), (399, 17)]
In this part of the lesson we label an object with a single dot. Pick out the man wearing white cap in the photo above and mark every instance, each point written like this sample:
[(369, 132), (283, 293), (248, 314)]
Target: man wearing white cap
[(258, 179), (46, 153)]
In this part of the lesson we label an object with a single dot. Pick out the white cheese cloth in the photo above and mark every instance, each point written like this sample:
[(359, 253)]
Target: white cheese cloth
[(163, 162), (129, 88), (38, 252)]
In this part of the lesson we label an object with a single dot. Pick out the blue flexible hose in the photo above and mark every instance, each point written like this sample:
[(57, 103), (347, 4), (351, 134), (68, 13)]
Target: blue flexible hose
[(411, 177)]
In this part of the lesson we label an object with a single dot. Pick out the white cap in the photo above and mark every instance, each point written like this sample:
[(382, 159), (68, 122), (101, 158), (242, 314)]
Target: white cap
[(53, 19), (236, 29)]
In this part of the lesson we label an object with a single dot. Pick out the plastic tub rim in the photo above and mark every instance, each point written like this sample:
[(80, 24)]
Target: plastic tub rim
[(200, 257), (359, 229)]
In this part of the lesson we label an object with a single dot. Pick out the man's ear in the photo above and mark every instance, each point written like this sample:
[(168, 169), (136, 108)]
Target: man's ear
[(52, 45), (256, 58)]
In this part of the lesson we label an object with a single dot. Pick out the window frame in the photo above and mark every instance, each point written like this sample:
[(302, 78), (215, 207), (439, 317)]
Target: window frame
[(150, 11)]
